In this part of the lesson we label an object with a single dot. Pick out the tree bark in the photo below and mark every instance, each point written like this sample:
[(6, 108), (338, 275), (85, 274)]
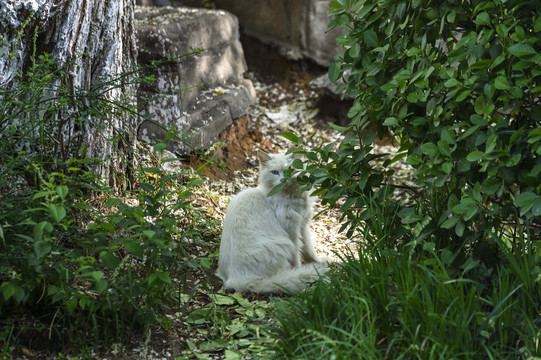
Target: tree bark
[(95, 40)]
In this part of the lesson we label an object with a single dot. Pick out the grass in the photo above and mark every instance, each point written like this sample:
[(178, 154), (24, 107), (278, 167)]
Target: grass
[(403, 308), (405, 300)]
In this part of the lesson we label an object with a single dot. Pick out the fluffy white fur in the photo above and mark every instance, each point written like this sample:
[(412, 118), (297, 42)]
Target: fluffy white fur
[(266, 239)]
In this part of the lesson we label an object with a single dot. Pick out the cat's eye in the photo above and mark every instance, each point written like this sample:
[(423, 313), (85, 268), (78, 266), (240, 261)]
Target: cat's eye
[(274, 172)]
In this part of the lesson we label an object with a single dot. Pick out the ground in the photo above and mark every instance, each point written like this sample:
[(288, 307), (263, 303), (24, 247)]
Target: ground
[(287, 105)]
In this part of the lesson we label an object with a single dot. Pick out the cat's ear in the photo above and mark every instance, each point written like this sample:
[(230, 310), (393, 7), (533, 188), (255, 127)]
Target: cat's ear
[(263, 156)]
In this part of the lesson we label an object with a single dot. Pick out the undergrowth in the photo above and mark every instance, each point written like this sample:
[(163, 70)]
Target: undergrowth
[(406, 300), (82, 264)]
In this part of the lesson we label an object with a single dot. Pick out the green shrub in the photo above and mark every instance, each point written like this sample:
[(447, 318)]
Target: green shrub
[(75, 256), (420, 71), (459, 85), (457, 274)]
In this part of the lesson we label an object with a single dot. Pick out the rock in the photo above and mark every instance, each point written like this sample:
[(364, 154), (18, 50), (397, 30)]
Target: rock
[(297, 28), (223, 95)]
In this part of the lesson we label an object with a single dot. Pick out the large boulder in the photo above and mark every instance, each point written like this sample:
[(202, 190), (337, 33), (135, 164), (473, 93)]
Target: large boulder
[(218, 92)]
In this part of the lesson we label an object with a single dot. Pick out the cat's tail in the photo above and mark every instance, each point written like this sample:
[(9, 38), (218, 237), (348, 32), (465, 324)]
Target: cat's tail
[(290, 280)]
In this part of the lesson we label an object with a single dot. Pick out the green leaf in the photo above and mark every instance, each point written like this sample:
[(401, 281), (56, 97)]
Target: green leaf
[(40, 228), (242, 301), (450, 223), (521, 50), (475, 156), (459, 228), (334, 192), (525, 201), (501, 83), (193, 182), (151, 170), (482, 19), (338, 128), (42, 194), (62, 191), (57, 212), (413, 51), (160, 147), (8, 289), (472, 211), (205, 263), (109, 259), (100, 285), (80, 205), (147, 187), (453, 200), (536, 207), (443, 147), (480, 104), (311, 156), (491, 143), (133, 247), (41, 248), (469, 132), (463, 95), (537, 24), (199, 316), (112, 202), (447, 167), (232, 355), (390, 121), (502, 30), (516, 92), (335, 71), (291, 137), (354, 50), (429, 149), (222, 300), (448, 135), (447, 256), (412, 97), (297, 164), (277, 188), (96, 275), (451, 83), (491, 185), (371, 38)]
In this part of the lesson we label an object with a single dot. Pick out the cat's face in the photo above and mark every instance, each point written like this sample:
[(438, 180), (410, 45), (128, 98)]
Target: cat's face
[(272, 168)]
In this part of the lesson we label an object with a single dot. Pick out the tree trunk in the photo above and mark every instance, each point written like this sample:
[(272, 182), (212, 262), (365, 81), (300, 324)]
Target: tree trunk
[(95, 40)]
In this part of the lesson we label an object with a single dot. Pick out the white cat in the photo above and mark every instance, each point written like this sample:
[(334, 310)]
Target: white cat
[(265, 238)]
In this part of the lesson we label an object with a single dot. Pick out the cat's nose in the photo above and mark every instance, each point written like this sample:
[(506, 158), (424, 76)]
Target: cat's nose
[(282, 180)]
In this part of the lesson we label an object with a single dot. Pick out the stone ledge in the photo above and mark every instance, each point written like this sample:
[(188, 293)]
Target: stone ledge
[(204, 111)]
